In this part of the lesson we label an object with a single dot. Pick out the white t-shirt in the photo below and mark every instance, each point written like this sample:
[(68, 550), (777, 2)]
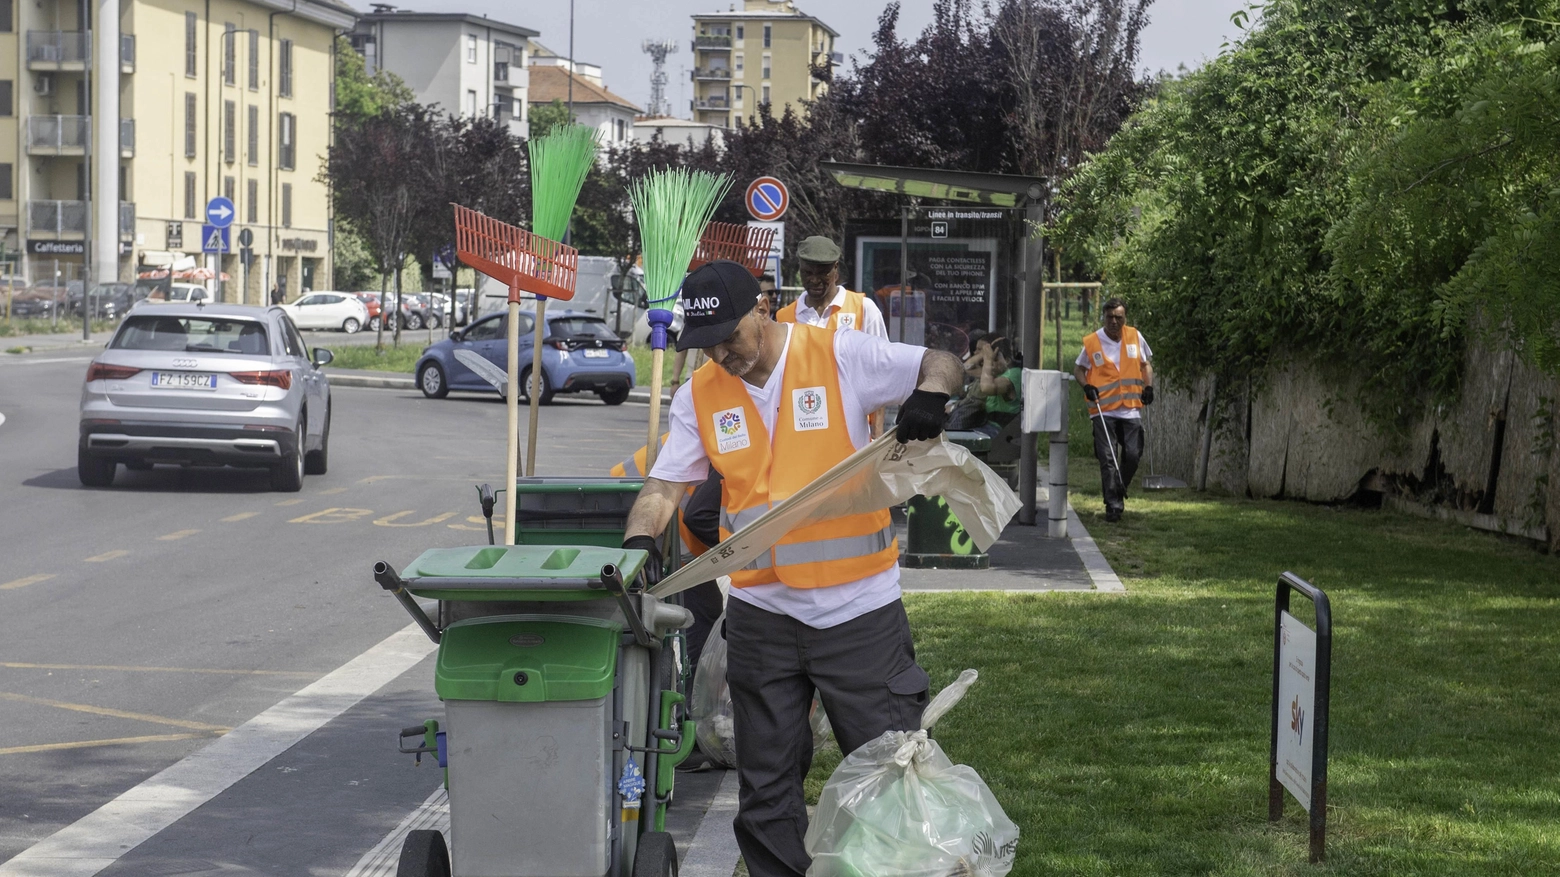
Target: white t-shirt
[(871, 318), (1112, 351), (873, 373)]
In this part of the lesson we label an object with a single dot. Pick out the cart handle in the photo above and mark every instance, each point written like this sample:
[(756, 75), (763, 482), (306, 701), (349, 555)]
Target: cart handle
[(388, 579), (612, 580)]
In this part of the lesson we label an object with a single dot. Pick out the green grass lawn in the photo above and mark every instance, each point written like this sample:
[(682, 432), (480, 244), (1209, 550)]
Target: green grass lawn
[(1128, 735), (67, 325), (389, 359)]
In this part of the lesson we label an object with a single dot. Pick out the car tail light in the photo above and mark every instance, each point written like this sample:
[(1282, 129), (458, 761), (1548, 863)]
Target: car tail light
[(102, 371), (280, 379)]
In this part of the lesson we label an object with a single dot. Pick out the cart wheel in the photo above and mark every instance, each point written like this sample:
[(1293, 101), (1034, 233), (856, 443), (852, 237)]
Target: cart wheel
[(425, 855), (656, 856)]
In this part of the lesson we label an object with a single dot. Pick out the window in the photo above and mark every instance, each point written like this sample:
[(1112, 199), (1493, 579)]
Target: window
[(287, 205), (252, 201), (229, 131), (189, 194), (81, 181), (6, 172), (284, 71), (471, 103), (768, 33), (189, 124), (766, 68), (739, 31), (7, 13), (620, 129), (229, 53), (766, 94), (191, 57), (286, 146), (254, 135), (254, 60), (737, 63), (471, 48), (229, 190), (7, 107)]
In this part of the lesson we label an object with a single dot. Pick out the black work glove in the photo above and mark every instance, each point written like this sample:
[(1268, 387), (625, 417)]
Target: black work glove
[(1091, 392), (1148, 395), (922, 416), (648, 544)]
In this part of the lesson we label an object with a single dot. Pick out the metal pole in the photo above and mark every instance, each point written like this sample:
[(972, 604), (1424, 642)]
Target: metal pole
[(904, 269), (571, 60), (1029, 323)]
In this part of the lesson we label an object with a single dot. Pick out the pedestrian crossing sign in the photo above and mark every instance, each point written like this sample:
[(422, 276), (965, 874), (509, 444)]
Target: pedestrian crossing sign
[(214, 239)]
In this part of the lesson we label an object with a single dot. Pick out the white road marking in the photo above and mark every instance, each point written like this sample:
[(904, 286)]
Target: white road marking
[(713, 852), (100, 838), (48, 360), (382, 860)]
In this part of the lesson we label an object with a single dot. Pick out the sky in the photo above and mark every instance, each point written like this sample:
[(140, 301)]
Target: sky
[(609, 32)]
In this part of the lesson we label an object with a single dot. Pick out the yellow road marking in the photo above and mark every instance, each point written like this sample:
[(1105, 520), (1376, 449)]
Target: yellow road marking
[(22, 665), (241, 516), (332, 491), (108, 555), (113, 713), (177, 534), (391, 520), (290, 502), (88, 744), (30, 580), (373, 478), (333, 516)]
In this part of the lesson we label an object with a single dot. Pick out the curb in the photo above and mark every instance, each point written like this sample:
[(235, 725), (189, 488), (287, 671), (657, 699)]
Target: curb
[(378, 383)]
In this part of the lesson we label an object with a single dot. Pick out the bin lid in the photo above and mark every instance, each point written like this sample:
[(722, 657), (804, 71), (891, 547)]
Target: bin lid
[(969, 439), (518, 572), (528, 658), (587, 484)]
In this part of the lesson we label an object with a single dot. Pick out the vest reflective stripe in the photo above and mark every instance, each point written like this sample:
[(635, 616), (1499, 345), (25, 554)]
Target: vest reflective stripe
[(832, 552), (1119, 386), (854, 303)]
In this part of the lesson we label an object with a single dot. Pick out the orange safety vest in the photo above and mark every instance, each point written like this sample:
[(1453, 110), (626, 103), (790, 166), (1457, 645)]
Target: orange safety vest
[(810, 437), (849, 315), (1120, 386), (634, 467)]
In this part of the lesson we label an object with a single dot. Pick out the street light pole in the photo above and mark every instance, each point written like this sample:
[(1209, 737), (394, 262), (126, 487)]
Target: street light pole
[(739, 86)]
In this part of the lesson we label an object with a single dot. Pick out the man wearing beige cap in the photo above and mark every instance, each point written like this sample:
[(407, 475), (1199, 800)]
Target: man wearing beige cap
[(826, 303)]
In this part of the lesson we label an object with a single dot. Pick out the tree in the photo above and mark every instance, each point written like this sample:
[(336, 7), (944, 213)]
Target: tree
[(545, 116), (360, 95)]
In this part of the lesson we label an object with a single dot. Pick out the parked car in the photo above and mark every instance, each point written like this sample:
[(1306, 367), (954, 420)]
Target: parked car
[(370, 302), (415, 311), (109, 301), (206, 385), (582, 356), (36, 303), (176, 293), (328, 310)]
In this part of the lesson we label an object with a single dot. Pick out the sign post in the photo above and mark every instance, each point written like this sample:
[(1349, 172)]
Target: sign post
[(220, 214), (1302, 682)]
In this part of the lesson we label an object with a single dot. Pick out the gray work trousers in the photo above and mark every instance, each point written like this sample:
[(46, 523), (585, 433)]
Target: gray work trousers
[(865, 673)]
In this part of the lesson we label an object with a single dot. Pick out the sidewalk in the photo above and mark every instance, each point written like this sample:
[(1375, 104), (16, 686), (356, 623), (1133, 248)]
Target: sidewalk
[(56, 342)]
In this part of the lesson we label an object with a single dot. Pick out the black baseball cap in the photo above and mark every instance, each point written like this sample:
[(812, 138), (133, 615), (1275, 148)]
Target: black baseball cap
[(715, 298)]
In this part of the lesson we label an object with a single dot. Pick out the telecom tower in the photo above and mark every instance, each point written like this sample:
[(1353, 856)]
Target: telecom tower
[(658, 50)]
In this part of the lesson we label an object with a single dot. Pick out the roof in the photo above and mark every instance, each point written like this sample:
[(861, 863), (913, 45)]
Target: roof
[(462, 17), (670, 122), (338, 15), (768, 15), (552, 83)]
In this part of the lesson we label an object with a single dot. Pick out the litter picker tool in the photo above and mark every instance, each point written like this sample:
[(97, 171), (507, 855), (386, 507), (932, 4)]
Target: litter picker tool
[(525, 263), (1105, 428), (1157, 482), (747, 245), (672, 208)]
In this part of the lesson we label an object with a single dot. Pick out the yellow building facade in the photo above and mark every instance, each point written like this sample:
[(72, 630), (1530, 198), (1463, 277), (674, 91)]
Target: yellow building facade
[(763, 53), (226, 97)]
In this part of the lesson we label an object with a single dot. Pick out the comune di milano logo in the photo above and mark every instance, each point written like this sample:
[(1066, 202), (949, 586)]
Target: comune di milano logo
[(730, 423)]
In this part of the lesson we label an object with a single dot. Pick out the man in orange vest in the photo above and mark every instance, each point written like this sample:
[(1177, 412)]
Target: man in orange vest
[(777, 406), (826, 303), (1118, 380)]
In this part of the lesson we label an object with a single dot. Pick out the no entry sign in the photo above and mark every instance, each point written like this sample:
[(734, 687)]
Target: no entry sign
[(767, 199)]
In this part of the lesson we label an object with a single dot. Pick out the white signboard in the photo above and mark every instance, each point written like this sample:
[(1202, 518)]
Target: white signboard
[(776, 249), (1296, 707)]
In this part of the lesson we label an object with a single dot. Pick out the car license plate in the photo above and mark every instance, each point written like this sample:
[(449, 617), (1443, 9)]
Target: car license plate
[(596, 353), (184, 380)]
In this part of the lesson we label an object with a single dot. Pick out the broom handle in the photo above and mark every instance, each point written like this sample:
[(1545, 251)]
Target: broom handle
[(512, 407), (657, 357), (535, 390)]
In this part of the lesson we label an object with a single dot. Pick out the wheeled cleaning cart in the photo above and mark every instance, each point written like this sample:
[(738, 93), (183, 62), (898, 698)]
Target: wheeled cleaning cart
[(562, 715)]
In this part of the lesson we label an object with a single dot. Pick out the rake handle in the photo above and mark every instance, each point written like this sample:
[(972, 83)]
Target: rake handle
[(652, 443), (535, 390), (512, 408)]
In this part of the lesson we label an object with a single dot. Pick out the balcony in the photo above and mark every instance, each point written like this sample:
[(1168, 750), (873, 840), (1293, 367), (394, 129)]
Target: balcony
[(714, 104), (500, 73), (58, 49), (70, 218), (718, 74), (68, 135), (715, 42), (58, 135)]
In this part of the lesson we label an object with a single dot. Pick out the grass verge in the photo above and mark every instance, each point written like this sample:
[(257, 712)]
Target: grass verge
[(365, 357), (1129, 734), (18, 327)]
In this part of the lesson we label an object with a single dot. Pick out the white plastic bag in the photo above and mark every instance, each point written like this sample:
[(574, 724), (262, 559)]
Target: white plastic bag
[(713, 725), (897, 807)]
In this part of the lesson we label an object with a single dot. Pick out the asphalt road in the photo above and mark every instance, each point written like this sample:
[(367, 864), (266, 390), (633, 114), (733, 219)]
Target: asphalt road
[(140, 623)]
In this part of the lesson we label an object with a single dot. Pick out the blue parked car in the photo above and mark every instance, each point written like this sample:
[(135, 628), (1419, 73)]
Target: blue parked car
[(582, 355)]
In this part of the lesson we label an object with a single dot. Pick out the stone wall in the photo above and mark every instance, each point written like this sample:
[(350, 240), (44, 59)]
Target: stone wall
[(1295, 433)]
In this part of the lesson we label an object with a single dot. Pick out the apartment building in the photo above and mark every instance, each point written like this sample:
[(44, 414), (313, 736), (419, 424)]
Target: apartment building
[(554, 77), (469, 65), (763, 53), (215, 97)]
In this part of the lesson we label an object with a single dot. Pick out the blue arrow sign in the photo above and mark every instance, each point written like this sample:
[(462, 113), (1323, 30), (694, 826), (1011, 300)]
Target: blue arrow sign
[(220, 212), (214, 239)]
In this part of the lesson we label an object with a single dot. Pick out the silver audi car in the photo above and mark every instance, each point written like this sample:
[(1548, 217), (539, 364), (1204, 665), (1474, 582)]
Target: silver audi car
[(206, 385)]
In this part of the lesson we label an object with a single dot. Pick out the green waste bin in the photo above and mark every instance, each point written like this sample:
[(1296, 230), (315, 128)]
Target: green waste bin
[(935, 538)]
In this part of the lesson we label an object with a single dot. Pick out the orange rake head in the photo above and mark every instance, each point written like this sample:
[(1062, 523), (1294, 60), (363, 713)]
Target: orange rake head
[(525, 262), (745, 244)]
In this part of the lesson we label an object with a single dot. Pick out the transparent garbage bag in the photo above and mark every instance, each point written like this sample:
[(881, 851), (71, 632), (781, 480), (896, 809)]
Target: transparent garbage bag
[(713, 725), (897, 807)]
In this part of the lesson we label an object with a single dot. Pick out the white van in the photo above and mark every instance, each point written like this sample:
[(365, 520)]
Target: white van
[(593, 294)]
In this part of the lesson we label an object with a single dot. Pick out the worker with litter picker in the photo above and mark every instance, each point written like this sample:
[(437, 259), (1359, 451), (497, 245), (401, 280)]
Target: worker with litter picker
[(779, 405), (1118, 380)]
